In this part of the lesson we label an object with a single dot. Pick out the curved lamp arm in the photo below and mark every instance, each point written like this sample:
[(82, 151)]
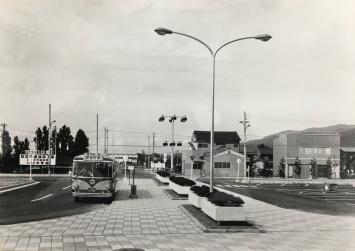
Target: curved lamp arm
[(198, 40), (235, 40)]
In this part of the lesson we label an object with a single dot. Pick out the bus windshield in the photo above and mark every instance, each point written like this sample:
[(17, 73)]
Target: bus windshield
[(93, 169)]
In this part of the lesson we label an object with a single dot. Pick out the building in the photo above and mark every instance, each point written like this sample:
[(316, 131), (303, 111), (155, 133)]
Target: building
[(305, 147), (258, 157), (227, 159)]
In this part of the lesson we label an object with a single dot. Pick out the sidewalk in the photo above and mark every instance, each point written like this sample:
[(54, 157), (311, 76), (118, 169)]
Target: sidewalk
[(154, 222)]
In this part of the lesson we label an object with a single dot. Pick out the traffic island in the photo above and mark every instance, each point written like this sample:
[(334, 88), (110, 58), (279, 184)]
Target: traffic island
[(207, 224)]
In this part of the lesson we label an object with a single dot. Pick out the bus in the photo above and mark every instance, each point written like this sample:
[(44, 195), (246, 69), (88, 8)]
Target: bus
[(94, 175)]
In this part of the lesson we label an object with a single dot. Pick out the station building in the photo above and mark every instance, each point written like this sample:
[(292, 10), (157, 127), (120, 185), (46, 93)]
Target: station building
[(305, 147), (228, 162)]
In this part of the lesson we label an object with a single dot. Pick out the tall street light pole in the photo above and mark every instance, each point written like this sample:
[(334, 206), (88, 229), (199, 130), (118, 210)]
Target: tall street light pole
[(49, 140), (172, 143), (264, 37)]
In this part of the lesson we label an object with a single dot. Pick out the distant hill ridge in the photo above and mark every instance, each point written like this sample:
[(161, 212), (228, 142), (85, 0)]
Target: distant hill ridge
[(347, 134)]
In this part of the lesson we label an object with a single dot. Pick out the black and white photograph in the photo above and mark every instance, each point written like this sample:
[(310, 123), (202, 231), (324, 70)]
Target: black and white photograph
[(153, 125)]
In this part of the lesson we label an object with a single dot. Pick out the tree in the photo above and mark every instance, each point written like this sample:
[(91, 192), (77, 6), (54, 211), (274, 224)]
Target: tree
[(329, 165), (6, 144), (297, 166), (81, 143), (314, 168), (41, 138), (65, 141), (282, 166), (20, 146)]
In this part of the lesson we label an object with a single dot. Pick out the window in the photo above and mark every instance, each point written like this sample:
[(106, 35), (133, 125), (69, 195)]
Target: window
[(198, 165), (222, 165), (315, 151), (202, 145)]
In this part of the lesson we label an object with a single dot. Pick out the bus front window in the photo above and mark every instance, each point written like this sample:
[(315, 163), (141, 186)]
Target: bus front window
[(103, 169), (83, 169)]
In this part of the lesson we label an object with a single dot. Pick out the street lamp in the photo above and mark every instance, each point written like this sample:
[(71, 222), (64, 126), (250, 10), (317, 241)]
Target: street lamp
[(49, 146), (172, 119), (264, 38)]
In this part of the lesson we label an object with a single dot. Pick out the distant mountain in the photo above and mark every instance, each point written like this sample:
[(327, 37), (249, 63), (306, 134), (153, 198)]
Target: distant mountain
[(347, 134)]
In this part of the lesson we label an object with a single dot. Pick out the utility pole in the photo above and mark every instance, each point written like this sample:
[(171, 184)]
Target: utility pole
[(104, 140), (148, 166), (3, 126), (49, 141), (246, 124), (97, 133), (153, 150)]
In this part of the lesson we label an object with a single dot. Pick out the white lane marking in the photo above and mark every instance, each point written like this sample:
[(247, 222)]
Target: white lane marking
[(16, 188), (347, 199), (228, 185), (219, 185), (236, 186), (306, 185), (283, 185), (65, 187), (46, 196)]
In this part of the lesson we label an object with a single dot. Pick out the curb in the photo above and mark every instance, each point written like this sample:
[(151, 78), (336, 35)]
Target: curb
[(18, 186)]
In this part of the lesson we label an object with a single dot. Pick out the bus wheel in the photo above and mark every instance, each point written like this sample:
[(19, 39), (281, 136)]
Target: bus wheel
[(76, 199)]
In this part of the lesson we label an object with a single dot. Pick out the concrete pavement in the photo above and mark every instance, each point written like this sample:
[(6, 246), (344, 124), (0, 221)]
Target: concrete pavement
[(154, 222)]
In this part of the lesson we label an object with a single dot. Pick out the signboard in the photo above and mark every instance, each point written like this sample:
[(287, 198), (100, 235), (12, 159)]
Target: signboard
[(131, 168), (36, 158)]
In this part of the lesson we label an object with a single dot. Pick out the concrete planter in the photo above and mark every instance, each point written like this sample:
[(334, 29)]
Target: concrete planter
[(223, 213), (182, 190), (162, 179), (195, 200)]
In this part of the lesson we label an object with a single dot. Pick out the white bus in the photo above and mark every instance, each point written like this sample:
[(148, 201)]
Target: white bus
[(94, 176)]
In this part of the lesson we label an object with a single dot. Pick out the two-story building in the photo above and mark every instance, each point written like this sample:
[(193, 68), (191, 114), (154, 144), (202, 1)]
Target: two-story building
[(305, 147), (228, 162)]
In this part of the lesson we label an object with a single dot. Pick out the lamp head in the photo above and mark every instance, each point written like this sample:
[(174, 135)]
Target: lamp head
[(263, 37), (163, 31), (183, 119), (162, 118)]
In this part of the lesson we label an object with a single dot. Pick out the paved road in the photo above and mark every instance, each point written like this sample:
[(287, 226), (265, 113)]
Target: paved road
[(309, 198), (50, 198)]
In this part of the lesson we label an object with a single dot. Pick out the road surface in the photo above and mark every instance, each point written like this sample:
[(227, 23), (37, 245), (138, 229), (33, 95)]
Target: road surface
[(304, 197), (51, 198)]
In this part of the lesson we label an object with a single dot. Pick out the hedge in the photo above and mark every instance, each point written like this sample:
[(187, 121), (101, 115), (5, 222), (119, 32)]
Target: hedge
[(202, 191), (182, 181), (163, 173), (225, 200)]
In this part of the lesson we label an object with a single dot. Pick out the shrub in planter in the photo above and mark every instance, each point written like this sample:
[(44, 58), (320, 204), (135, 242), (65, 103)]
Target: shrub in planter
[(198, 193), (182, 181), (163, 173), (180, 185), (202, 191), (225, 200), (224, 207)]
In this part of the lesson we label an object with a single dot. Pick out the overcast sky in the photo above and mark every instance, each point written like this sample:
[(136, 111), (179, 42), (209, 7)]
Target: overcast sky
[(102, 56)]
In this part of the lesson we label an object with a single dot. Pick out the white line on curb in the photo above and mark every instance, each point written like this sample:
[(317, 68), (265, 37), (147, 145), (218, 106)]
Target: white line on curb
[(65, 187), (48, 195)]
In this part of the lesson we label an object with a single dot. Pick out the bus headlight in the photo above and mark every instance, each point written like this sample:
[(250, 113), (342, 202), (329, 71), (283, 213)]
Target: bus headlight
[(76, 187), (108, 187)]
